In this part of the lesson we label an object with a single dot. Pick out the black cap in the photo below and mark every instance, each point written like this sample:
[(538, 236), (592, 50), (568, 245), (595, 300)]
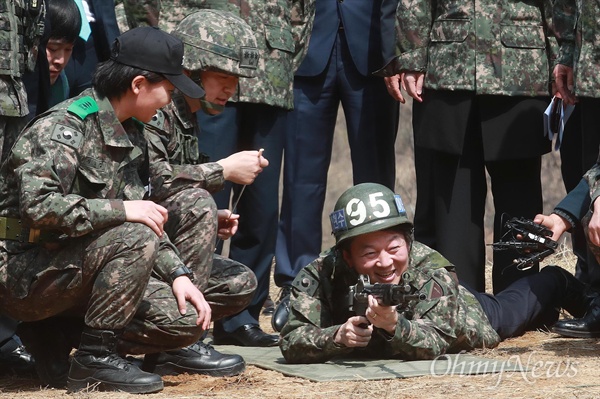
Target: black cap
[(154, 50)]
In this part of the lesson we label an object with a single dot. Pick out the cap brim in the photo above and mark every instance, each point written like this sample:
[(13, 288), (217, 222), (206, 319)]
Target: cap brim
[(186, 85)]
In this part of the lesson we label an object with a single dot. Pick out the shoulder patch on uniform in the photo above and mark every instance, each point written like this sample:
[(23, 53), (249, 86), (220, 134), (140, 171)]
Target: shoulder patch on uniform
[(306, 283), (432, 289), (66, 135), (83, 107), (158, 120)]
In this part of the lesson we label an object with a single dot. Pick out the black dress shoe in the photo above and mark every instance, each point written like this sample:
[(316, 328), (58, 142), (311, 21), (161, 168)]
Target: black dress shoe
[(247, 335), (282, 311), (586, 327), (14, 357), (268, 307), (199, 358)]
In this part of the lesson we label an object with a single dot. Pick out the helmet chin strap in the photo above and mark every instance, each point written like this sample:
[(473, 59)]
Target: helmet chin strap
[(206, 105)]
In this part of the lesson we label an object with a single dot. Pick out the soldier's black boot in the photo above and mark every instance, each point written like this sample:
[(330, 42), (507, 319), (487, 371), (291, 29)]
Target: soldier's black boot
[(97, 366), (198, 358), (586, 327)]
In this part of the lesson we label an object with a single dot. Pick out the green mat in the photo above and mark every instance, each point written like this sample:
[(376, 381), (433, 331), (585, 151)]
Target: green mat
[(361, 369)]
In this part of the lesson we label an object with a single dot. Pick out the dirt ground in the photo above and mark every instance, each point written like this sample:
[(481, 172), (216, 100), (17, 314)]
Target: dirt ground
[(557, 367)]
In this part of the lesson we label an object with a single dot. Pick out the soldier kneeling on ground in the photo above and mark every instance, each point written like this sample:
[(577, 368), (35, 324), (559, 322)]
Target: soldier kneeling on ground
[(85, 259)]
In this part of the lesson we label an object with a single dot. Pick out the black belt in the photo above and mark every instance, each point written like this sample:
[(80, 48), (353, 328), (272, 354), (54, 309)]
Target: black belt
[(12, 229)]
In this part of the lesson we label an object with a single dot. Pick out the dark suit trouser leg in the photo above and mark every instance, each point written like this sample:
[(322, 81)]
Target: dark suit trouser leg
[(460, 191), (254, 126), (8, 327), (424, 220), (308, 143), (517, 191), (529, 303), (371, 119)]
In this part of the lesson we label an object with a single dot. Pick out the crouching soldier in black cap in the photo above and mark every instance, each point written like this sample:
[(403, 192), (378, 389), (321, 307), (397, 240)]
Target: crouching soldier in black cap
[(78, 240)]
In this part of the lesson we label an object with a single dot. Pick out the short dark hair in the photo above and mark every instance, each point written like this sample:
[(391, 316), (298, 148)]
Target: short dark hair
[(112, 79), (65, 20)]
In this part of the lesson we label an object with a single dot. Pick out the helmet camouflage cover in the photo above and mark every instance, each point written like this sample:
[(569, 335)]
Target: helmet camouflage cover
[(218, 40), (366, 208)]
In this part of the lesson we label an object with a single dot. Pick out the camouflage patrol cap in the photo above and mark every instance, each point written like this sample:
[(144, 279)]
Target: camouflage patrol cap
[(218, 40), (365, 208)]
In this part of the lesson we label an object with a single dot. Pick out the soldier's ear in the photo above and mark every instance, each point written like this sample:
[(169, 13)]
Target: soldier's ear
[(136, 84), (347, 258)]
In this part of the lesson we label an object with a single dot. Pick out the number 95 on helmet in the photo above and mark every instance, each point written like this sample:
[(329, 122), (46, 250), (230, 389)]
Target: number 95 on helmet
[(220, 41), (366, 208)]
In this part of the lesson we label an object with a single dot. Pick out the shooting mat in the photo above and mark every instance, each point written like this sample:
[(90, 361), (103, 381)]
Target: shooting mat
[(367, 369)]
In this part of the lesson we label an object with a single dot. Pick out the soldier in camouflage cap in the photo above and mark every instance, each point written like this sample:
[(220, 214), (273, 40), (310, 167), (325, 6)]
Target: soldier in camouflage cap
[(374, 238)]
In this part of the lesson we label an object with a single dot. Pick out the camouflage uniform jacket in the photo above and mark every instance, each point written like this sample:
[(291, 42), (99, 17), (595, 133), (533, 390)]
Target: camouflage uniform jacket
[(490, 47), (578, 33), (175, 161), (70, 171), (448, 321), (282, 29), (19, 36)]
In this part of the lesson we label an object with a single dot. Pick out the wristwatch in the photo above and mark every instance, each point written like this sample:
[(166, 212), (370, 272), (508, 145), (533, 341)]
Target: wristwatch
[(181, 271)]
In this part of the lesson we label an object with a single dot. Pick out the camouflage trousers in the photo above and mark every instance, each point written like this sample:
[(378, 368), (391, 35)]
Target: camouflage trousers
[(102, 276), (158, 325), (106, 279)]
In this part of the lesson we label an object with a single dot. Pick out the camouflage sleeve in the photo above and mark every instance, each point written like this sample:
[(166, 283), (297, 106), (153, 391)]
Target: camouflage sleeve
[(308, 335), (46, 170), (141, 12), (592, 177), (431, 330), (413, 25), (564, 23), (302, 18), (551, 38), (167, 178), (167, 260)]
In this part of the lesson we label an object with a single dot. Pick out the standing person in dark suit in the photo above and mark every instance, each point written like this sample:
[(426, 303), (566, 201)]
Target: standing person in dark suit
[(481, 71), (344, 49), (88, 53)]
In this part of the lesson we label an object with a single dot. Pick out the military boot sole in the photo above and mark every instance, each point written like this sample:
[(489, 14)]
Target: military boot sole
[(565, 332), (92, 384), (176, 369)]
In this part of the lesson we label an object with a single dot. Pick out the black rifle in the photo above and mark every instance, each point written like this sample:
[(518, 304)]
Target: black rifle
[(386, 294), (529, 239)]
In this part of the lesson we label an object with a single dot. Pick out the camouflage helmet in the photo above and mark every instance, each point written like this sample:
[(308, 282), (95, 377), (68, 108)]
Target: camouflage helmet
[(218, 40), (365, 208)]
